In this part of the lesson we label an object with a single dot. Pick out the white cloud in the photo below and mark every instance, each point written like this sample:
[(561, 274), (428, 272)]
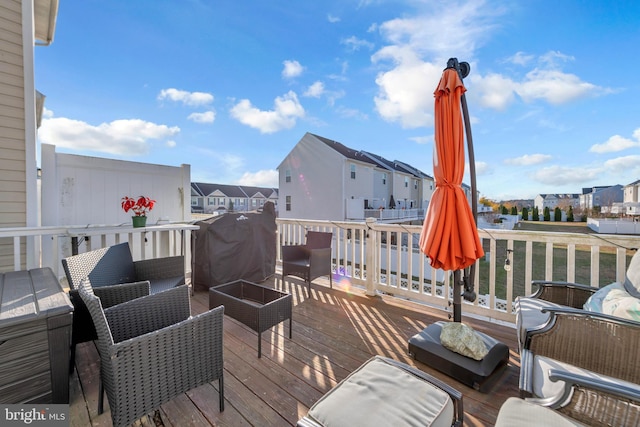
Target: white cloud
[(353, 43), (629, 165), (557, 175), (192, 99), (554, 87), (315, 90), (206, 117), (283, 116), (520, 58), (351, 113), (405, 93), (333, 19), (494, 90), (263, 178), (528, 159), (482, 168), (119, 137), (171, 143), (291, 69), (429, 139), (617, 143)]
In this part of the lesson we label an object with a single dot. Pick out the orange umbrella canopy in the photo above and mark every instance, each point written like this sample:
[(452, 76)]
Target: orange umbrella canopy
[(449, 234)]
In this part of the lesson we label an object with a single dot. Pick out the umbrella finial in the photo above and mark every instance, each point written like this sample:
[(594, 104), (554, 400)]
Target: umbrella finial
[(463, 68)]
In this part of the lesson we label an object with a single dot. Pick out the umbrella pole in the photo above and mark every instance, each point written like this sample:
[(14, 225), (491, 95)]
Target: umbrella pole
[(457, 300), (470, 273)]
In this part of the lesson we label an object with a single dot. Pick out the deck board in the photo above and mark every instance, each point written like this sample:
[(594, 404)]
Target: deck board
[(334, 332)]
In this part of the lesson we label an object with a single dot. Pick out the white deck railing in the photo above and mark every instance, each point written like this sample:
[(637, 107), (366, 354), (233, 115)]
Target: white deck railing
[(376, 256), (34, 247), (385, 258)]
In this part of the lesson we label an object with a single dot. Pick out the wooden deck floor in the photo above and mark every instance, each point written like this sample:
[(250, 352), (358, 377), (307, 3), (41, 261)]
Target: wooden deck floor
[(334, 332)]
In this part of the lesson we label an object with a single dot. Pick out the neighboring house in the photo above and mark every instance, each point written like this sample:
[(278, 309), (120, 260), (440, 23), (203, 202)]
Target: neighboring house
[(24, 24), (551, 201), (212, 198), (630, 200), (604, 197), (326, 180)]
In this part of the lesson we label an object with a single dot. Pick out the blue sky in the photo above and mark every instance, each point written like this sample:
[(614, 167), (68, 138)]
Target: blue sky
[(230, 86)]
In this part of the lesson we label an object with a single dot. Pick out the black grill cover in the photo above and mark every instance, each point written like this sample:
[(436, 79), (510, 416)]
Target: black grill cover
[(234, 246)]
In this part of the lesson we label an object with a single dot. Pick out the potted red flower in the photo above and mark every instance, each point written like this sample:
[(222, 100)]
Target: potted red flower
[(139, 207)]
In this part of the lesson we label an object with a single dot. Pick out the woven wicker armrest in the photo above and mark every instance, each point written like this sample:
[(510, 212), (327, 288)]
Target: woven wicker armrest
[(626, 390), (159, 268), (565, 293), (594, 341), (320, 254), (293, 252), (149, 313), (117, 294)]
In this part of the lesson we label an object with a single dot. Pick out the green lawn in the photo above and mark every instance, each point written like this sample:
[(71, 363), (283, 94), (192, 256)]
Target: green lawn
[(583, 261)]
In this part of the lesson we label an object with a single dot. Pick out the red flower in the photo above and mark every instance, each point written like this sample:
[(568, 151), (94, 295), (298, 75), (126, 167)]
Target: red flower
[(140, 207)]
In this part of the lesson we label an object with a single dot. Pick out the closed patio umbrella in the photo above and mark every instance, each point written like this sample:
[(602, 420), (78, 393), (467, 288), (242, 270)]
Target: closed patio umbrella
[(449, 235)]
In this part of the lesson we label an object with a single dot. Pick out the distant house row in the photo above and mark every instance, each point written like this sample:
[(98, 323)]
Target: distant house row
[(616, 199), (324, 179), (215, 198)]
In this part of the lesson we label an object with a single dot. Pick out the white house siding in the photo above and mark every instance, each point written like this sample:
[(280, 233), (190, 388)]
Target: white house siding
[(316, 187), (400, 192), (80, 190), (362, 186)]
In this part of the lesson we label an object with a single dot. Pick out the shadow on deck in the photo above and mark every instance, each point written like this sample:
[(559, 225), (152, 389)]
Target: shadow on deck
[(334, 332)]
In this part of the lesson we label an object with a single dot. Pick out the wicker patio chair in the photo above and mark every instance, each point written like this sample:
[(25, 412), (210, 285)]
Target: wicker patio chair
[(596, 346), (152, 350), (621, 407), (115, 278), (309, 261)]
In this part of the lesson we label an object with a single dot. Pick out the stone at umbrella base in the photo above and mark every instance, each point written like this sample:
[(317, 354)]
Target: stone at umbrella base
[(426, 347)]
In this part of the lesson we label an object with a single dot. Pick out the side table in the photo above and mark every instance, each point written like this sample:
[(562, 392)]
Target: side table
[(35, 332), (258, 307)]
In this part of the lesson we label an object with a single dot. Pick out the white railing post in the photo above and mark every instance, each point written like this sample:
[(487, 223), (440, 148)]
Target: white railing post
[(370, 247)]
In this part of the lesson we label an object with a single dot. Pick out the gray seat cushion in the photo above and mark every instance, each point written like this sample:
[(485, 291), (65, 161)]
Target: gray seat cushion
[(380, 394), (520, 413)]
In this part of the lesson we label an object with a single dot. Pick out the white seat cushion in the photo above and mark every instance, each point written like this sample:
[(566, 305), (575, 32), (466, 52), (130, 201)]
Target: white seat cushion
[(381, 394), (517, 412)]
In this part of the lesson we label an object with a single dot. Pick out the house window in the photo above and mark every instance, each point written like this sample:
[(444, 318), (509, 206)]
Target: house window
[(194, 201), (288, 203), (415, 184), (384, 179), (406, 182), (210, 201), (287, 176), (353, 171)]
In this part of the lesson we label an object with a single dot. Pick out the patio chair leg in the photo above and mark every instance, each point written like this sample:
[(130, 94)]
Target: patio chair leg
[(259, 345), (100, 396), (72, 358), (221, 392), (290, 326)]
